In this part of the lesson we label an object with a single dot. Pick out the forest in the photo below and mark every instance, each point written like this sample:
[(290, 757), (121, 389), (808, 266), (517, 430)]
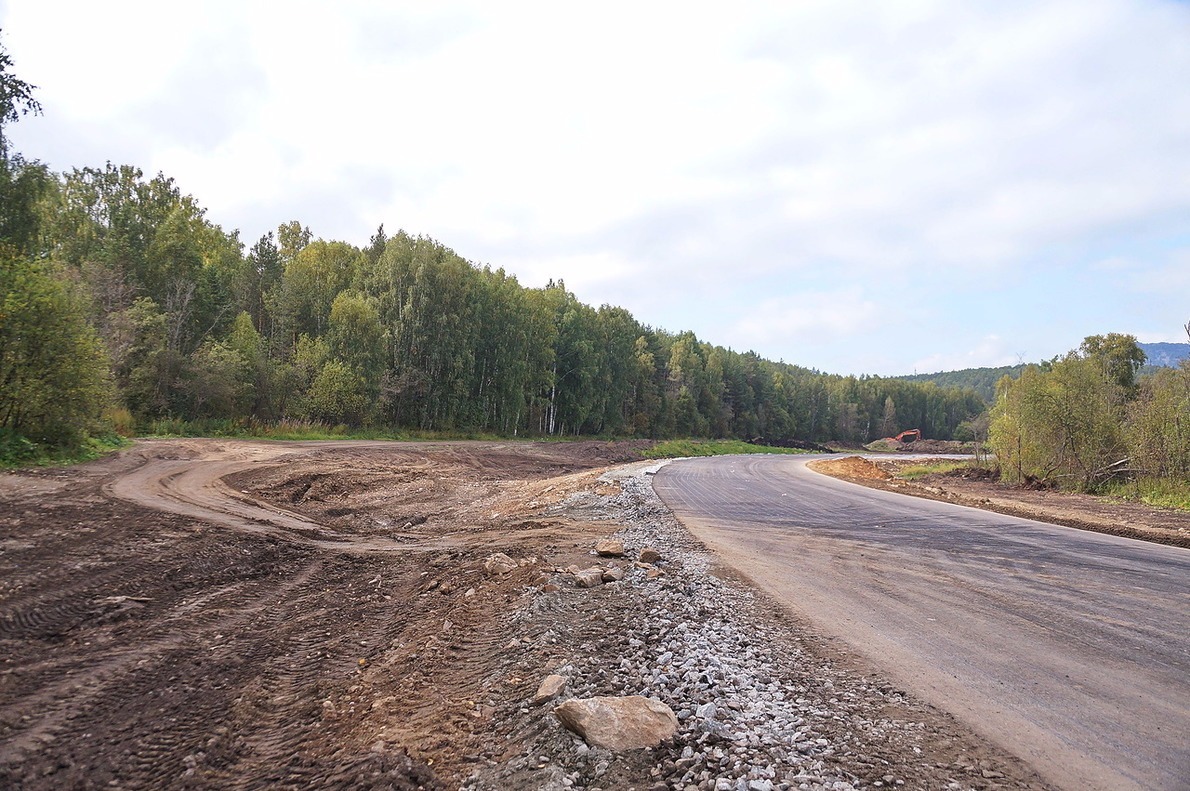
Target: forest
[(126, 309), (146, 307)]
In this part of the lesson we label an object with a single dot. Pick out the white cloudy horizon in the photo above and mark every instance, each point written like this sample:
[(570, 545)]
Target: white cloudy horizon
[(911, 186)]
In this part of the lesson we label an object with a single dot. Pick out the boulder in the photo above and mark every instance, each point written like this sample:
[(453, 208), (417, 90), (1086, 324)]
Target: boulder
[(610, 548), (588, 578), (624, 723), (613, 574), (499, 563), (649, 555), (550, 687)]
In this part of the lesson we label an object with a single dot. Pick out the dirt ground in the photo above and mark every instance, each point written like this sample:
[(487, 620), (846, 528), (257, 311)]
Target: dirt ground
[(969, 487), (223, 614), (149, 649)]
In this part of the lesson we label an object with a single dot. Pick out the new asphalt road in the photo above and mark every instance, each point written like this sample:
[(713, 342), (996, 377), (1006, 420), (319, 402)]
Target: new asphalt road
[(1071, 649)]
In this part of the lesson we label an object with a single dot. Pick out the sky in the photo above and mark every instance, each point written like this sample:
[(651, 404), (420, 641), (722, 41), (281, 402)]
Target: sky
[(856, 187)]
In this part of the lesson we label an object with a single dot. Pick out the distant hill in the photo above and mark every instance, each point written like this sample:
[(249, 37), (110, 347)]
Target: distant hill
[(1167, 355), (981, 380)]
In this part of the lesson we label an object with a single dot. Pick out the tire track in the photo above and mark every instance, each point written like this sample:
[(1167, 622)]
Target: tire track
[(83, 688), (195, 488)]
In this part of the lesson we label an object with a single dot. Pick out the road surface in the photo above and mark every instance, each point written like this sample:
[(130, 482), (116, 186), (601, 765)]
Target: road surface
[(1069, 648)]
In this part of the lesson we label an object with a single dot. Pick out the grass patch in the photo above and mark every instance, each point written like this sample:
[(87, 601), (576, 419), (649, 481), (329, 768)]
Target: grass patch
[(1158, 492), (678, 448), (914, 471), (251, 429), (17, 451)]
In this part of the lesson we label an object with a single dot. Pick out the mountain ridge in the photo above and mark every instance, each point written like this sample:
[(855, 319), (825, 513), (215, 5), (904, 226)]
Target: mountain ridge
[(1165, 355), (983, 380)]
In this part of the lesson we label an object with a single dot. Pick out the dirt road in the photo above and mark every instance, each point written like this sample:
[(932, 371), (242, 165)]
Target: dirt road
[(1067, 647)]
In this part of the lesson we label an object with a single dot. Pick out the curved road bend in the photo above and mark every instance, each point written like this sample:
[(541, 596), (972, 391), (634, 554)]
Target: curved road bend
[(1068, 648)]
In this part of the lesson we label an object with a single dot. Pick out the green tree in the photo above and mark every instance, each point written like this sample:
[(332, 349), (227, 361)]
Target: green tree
[(144, 368), (645, 394), (355, 341), (1118, 356), (260, 386), (429, 300), (577, 360), (376, 245), (1158, 425), (53, 370), (355, 335), (888, 421), (23, 184), (338, 395), (16, 100), (220, 381), (1060, 426), (292, 238), (265, 269), (316, 274)]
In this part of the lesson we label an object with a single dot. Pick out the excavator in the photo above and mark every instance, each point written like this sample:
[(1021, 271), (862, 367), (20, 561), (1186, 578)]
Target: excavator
[(912, 435)]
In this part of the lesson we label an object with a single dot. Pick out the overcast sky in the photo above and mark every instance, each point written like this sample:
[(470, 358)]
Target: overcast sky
[(856, 187)]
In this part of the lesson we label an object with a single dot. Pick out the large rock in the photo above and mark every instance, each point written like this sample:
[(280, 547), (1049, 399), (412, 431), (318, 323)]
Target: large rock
[(628, 723), (610, 548), (613, 574), (499, 563), (649, 555), (588, 578)]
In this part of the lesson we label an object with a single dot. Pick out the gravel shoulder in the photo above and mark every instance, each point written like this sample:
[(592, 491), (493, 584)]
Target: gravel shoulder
[(324, 615)]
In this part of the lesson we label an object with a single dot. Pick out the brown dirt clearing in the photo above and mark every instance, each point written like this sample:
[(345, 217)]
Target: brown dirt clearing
[(341, 634)]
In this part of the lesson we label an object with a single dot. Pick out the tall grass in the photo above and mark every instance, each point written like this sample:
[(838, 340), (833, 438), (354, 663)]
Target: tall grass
[(914, 471), (1159, 492), (120, 420)]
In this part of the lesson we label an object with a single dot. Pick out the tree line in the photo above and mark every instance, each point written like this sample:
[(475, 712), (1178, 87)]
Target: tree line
[(122, 299)]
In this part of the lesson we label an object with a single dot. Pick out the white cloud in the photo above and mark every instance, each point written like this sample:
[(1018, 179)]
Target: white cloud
[(639, 150), (808, 317), (989, 353), (1164, 273)]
